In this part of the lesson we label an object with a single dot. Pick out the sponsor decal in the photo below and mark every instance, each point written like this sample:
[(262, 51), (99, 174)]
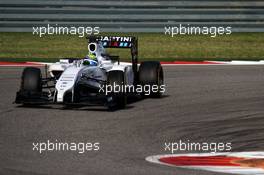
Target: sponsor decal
[(116, 38), (232, 163), (116, 44), (116, 41)]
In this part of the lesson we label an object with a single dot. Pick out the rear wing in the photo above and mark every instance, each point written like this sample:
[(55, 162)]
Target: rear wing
[(126, 42), (115, 41)]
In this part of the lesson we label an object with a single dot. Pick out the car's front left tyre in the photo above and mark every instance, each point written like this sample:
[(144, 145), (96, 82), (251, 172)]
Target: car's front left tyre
[(31, 86), (31, 80)]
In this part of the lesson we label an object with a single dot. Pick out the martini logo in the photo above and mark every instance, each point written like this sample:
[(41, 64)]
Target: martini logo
[(116, 38), (231, 163), (117, 44)]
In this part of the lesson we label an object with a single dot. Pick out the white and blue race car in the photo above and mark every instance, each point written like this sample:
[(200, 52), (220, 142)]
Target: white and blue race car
[(93, 79)]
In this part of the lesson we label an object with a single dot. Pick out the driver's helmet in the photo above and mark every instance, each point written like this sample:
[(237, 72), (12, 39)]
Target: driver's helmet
[(92, 56), (90, 60)]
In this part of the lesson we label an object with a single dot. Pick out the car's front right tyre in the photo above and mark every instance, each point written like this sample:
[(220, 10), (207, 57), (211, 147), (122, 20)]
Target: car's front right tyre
[(117, 99)]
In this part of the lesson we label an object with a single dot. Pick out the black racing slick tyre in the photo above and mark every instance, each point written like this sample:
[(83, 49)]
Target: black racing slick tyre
[(151, 74), (31, 80), (118, 97)]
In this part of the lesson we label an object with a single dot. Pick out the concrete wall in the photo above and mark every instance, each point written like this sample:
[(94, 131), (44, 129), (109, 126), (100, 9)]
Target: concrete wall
[(132, 16)]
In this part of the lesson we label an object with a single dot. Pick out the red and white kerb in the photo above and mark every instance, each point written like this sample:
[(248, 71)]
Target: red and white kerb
[(234, 163)]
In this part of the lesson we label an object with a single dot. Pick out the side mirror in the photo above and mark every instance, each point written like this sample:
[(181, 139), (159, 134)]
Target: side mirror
[(115, 58)]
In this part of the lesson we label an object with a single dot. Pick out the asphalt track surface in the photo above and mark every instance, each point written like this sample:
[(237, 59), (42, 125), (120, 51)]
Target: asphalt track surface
[(202, 103)]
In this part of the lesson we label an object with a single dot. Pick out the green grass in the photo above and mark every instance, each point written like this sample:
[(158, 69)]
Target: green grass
[(239, 46)]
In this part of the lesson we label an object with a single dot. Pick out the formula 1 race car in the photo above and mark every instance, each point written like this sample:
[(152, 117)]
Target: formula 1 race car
[(97, 79)]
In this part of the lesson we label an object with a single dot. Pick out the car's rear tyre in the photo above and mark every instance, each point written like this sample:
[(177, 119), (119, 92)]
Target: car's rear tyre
[(151, 73), (31, 80), (118, 99)]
